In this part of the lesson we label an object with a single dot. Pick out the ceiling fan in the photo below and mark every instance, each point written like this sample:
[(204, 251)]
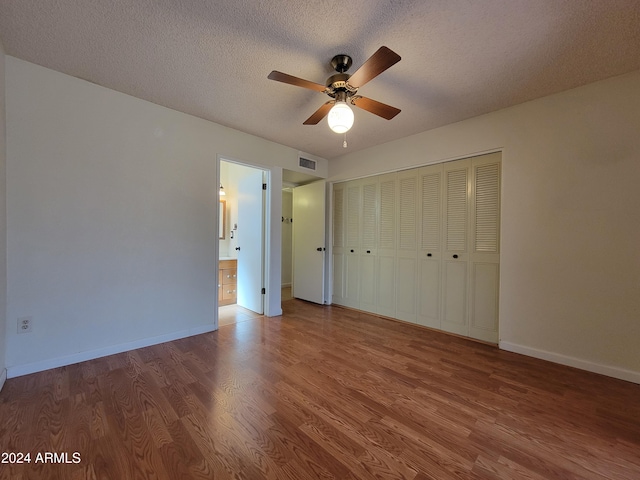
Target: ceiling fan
[(343, 88)]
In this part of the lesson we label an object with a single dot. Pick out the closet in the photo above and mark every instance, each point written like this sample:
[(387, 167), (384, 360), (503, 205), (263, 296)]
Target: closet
[(422, 245)]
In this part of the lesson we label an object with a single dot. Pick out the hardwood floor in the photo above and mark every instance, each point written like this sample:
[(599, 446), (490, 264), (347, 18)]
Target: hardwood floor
[(321, 392)]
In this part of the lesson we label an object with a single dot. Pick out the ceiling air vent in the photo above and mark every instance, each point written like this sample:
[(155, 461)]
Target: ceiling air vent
[(306, 163)]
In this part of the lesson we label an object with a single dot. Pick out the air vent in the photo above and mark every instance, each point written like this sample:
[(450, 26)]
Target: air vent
[(306, 163)]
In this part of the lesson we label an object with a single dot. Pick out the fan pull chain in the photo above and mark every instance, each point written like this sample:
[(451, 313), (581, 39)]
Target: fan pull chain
[(344, 143)]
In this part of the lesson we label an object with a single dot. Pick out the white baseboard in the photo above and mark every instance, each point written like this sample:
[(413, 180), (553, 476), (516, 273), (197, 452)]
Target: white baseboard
[(3, 377), (19, 370), (610, 371)]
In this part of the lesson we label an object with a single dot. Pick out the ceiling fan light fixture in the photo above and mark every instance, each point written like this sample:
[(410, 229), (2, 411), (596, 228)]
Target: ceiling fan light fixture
[(340, 117), (342, 88)]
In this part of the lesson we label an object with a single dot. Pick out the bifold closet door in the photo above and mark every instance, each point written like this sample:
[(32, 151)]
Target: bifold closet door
[(484, 262), (429, 245), (368, 218), (351, 267), (386, 246), (422, 245), (455, 254), (407, 270), (338, 204)]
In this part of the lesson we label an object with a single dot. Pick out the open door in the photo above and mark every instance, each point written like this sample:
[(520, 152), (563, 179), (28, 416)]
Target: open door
[(251, 242), (308, 242)]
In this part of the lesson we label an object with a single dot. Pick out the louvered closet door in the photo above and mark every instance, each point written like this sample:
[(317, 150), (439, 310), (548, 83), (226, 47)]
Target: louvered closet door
[(338, 243), (430, 187), (484, 265), (386, 252), (422, 245), (406, 261), (455, 240), (368, 243), (353, 209)]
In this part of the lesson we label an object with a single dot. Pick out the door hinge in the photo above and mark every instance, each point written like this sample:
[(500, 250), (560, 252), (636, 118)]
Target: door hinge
[(263, 291), (264, 186)]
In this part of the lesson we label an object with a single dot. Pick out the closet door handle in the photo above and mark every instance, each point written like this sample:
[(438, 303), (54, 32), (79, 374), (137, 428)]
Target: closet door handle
[(238, 248), (428, 254), (368, 251), (455, 256), (351, 251)]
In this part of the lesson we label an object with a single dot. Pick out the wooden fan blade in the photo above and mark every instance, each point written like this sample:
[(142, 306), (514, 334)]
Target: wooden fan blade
[(298, 82), (377, 108), (374, 66), (319, 114)]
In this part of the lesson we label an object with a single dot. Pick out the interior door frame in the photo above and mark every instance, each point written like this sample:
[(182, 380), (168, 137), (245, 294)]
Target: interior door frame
[(310, 250), (272, 237)]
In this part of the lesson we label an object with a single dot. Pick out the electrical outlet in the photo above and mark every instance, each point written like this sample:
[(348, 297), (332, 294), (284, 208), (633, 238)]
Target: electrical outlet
[(24, 324)]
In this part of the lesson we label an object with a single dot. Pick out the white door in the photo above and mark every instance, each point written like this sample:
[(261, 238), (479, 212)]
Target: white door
[(338, 261), (386, 251), (308, 242), (251, 241), (352, 243), (484, 272), (429, 245), (368, 237), (455, 261), (407, 235)]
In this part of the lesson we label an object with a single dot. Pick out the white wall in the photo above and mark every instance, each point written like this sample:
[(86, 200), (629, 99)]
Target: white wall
[(112, 218), (3, 224), (570, 260)]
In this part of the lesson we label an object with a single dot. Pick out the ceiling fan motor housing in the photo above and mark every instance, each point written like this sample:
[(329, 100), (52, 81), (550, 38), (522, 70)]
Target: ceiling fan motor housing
[(338, 82), (341, 63)]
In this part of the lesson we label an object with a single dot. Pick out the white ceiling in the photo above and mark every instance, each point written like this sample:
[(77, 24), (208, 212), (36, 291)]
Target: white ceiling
[(460, 58)]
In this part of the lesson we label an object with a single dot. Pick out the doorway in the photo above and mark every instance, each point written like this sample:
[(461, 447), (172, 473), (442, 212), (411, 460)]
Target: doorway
[(241, 253), (287, 242), (303, 237)]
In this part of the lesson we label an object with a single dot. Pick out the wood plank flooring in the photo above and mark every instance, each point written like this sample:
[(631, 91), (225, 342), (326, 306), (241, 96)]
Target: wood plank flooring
[(321, 393)]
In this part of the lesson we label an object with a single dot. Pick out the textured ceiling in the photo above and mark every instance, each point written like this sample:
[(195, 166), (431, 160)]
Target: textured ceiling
[(460, 58)]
